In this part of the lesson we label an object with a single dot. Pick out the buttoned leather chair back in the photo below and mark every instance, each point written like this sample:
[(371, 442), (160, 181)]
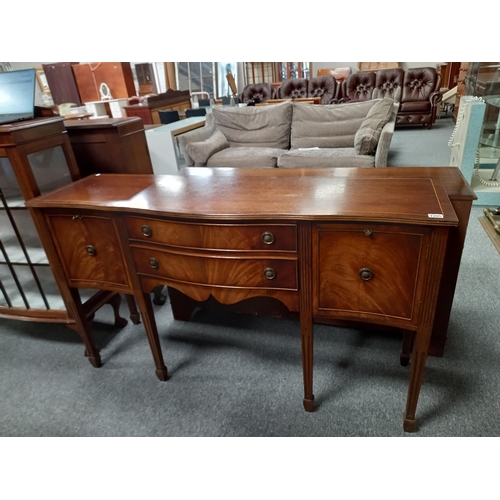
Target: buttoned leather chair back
[(389, 83), (293, 88), (325, 87), (358, 87), (260, 92)]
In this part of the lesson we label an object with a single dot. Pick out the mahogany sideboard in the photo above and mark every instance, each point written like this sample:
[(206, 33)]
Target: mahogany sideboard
[(345, 244)]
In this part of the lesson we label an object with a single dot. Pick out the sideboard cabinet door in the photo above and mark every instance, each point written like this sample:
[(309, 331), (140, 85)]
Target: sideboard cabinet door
[(89, 250), (369, 271)]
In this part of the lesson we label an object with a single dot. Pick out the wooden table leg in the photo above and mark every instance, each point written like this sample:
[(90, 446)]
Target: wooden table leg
[(148, 318), (306, 315), (307, 339), (418, 360), (83, 328)]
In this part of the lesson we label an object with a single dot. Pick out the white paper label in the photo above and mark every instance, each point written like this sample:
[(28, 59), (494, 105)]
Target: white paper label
[(435, 216)]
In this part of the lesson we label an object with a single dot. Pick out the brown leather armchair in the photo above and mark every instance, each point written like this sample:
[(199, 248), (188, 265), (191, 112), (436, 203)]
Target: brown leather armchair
[(420, 97), (358, 87), (293, 88), (325, 87), (389, 83), (259, 92)]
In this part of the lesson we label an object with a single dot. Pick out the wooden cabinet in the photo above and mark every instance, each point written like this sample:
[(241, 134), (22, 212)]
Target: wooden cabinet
[(146, 78), (116, 75), (35, 158), (110, 145), (449, 74), (62, 83)]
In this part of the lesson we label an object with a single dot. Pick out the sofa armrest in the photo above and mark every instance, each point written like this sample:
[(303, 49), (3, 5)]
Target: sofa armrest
[(384, 142), (197, 135), (435, 98)]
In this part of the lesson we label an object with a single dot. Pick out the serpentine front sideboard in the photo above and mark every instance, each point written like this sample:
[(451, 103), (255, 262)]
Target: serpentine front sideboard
[(341, 244)]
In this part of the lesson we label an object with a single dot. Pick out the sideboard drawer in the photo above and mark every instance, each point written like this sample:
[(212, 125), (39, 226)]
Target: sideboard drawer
[(89, 250), (367, 272), (230, 271), (234, 237)]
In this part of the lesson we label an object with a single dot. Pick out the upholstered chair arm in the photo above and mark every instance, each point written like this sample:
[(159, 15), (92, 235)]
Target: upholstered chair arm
[(197, 135), (384, 143), (435, 98)]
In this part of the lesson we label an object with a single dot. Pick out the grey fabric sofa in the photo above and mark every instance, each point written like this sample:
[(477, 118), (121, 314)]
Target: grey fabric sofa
[(294, 135)]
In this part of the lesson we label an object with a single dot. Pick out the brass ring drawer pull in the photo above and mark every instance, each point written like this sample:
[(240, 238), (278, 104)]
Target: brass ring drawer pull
[(368, 231), (269, 273), (147, 231), (267, 238), (76, 217), (365, 273), (91, 250), (154, 263)]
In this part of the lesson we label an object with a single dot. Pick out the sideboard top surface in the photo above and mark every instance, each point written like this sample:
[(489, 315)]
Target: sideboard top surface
[(198, 194)]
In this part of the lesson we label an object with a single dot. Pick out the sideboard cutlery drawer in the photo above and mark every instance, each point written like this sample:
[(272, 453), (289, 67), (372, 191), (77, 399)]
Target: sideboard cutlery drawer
[(218, 271), (234, 237)]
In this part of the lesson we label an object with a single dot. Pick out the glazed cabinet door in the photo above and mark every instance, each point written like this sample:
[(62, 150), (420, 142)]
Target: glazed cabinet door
[(369, 272), (89, 249)]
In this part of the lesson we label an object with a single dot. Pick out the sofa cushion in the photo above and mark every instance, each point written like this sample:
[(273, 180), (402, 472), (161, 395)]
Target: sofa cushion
[(368, 134), (263, 126), (327, 126), (324, 158), (416, 107), (246, 157), (201, 151)]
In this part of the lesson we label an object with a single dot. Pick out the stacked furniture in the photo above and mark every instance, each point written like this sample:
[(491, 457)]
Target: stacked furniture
[(290, 134)]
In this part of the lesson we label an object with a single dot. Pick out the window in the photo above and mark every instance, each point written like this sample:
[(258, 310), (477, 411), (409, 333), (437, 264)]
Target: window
[(196, 76), (259, 72)]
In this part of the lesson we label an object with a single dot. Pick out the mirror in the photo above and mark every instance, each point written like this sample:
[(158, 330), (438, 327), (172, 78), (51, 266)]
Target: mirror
[(105, 92)]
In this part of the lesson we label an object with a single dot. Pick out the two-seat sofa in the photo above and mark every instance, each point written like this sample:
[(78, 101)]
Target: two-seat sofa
[(290, 135)]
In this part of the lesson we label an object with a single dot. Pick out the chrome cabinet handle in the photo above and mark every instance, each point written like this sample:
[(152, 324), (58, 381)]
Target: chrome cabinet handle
[(365, 273), (267, 238), (269, 273)]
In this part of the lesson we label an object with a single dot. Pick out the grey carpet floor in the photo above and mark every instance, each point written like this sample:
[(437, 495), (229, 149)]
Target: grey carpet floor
[(240, 375)]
